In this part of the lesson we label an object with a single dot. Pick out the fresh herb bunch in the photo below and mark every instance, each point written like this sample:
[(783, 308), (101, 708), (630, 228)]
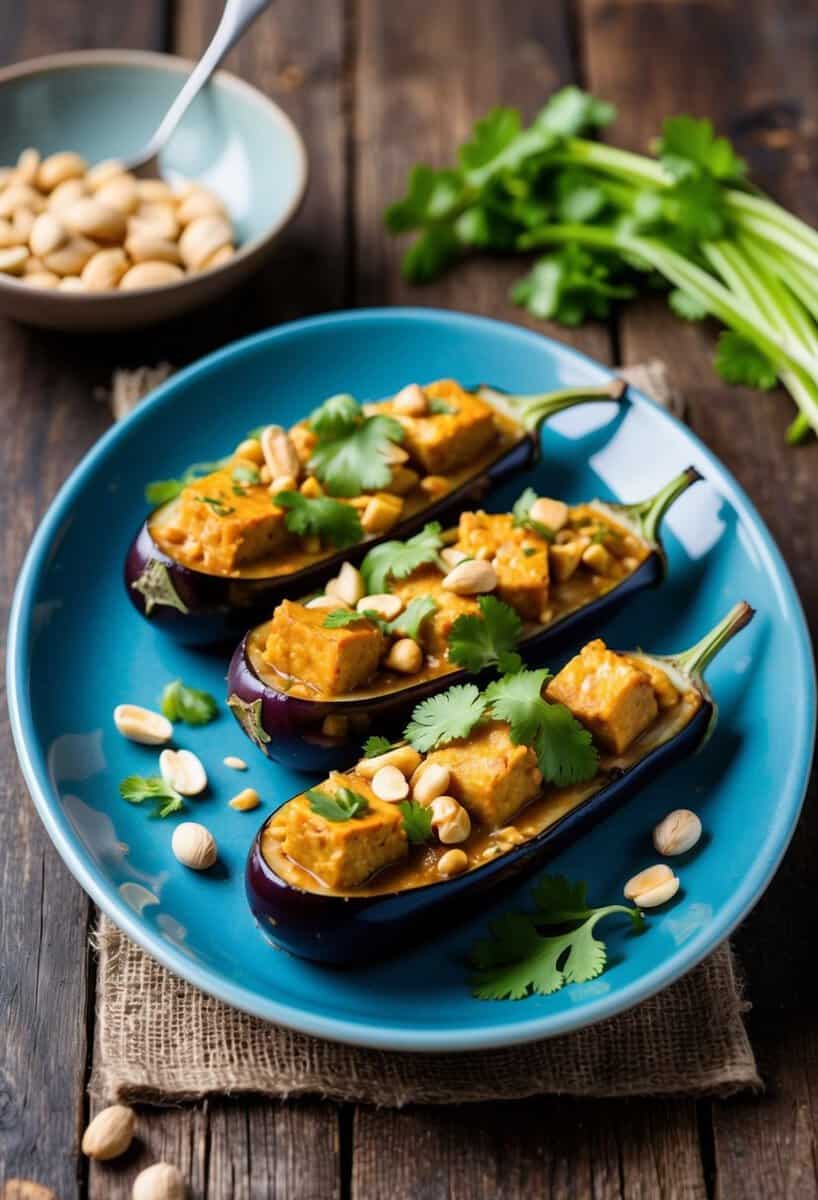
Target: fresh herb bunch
[(543, 950), (350, 452), (614, 223)]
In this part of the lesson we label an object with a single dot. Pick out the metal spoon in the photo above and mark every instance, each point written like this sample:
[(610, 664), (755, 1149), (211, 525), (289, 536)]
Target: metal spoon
[(237, 16)]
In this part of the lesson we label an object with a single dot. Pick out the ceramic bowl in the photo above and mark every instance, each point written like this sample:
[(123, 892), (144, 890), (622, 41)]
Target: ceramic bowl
[(105, 104)]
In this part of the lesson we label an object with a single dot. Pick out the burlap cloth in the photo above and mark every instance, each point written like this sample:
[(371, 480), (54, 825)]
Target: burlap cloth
[(161, 1040)]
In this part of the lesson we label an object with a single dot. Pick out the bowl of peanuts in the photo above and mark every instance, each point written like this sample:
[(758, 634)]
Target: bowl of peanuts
[(88, 245)]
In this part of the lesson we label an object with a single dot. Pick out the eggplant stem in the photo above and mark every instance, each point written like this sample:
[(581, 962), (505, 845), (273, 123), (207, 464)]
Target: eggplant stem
[(694, 661), (532, 410), (649, 514)]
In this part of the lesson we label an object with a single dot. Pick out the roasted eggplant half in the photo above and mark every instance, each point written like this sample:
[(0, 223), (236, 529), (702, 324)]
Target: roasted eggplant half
[(309, 683), (411, 840), (230, 538)]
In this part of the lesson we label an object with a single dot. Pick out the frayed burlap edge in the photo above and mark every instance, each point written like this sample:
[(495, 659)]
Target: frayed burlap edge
[(160, 1040)]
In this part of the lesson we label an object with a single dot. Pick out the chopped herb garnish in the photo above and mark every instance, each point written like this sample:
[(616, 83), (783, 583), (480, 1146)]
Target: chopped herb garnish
[(564, 748), (344, 805), (528, 551), (245, 473), (219, 507), (417, 821), (409, 622), (396, 560), (442, 718), (373, 746), (477, 642), (339, 618), (182, 703), (321, 517), (522, 515), (138, 788), (440, 407), (524, 954), (162, 490), (349, 455)]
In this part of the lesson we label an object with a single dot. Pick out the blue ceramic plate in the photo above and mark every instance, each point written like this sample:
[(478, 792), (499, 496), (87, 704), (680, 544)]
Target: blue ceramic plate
[(77, 648)]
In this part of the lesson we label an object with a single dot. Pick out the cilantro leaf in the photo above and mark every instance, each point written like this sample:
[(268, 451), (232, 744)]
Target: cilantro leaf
[(440, 407), (580, 198), (408, 623), (491, 135), (442, 718), (182, 703), (339, 618), (688, 307), (740, 362), (138, 788), (570, 112), (430, 254), (245, 473), (322, 517), (344, 805), (352, 460), (479, 642), (517, 959), (337, 416), (689, 144), (396, 560), (417, 821), (569, 286), (373, 746), (431, 196), (162, 490), (564, 749)]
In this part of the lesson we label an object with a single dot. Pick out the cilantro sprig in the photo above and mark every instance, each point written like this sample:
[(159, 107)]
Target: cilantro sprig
[(417, 821), (533, 952), (521, 513), (350, 452), (375, 745), (343, 805), (613, 224), (320, 516), (136, 789), (160, 491), (477, 642), (191, 705), (443, 718), (396, 560)]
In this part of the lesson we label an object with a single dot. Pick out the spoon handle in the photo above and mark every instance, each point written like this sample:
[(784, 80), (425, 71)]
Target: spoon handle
[(237, 15)]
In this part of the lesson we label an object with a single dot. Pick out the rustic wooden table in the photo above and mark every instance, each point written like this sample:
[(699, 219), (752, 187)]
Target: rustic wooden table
[(374, 87)]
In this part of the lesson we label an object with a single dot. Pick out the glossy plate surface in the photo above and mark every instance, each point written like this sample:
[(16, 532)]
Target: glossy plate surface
[(77, 648)]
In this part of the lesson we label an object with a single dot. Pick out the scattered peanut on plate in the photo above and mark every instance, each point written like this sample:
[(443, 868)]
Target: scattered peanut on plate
[(74, 228)]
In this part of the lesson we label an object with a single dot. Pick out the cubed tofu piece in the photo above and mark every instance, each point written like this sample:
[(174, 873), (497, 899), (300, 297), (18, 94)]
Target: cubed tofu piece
[(333, 661), (519, 556), (666, 692), (444, 441), (215, 529), (427, 581), (607, 693), (565, 557), (490, 776), (344, 854), (522, 575)]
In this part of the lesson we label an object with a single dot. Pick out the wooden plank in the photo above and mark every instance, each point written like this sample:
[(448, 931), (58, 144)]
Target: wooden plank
[(424, 75), (244, 1149), (49, 420), (608, 1150), (751, 68)]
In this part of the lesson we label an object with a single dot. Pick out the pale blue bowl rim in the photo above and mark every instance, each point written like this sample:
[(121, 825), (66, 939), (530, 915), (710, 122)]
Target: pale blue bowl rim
[(157, 60), (387, 1036)]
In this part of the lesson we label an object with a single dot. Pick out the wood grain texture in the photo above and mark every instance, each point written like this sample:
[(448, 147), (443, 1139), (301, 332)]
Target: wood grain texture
[(424, 74), (751, 67), (233, 1150), (49, 419), (624, 1150)]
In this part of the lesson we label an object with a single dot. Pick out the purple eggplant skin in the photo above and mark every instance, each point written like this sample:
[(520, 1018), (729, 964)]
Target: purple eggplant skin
[(206, 610), (288, 728), (343, 931)]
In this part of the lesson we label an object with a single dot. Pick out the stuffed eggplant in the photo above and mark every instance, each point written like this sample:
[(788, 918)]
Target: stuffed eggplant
[(319, 675), (409, 841), (281, 513)]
